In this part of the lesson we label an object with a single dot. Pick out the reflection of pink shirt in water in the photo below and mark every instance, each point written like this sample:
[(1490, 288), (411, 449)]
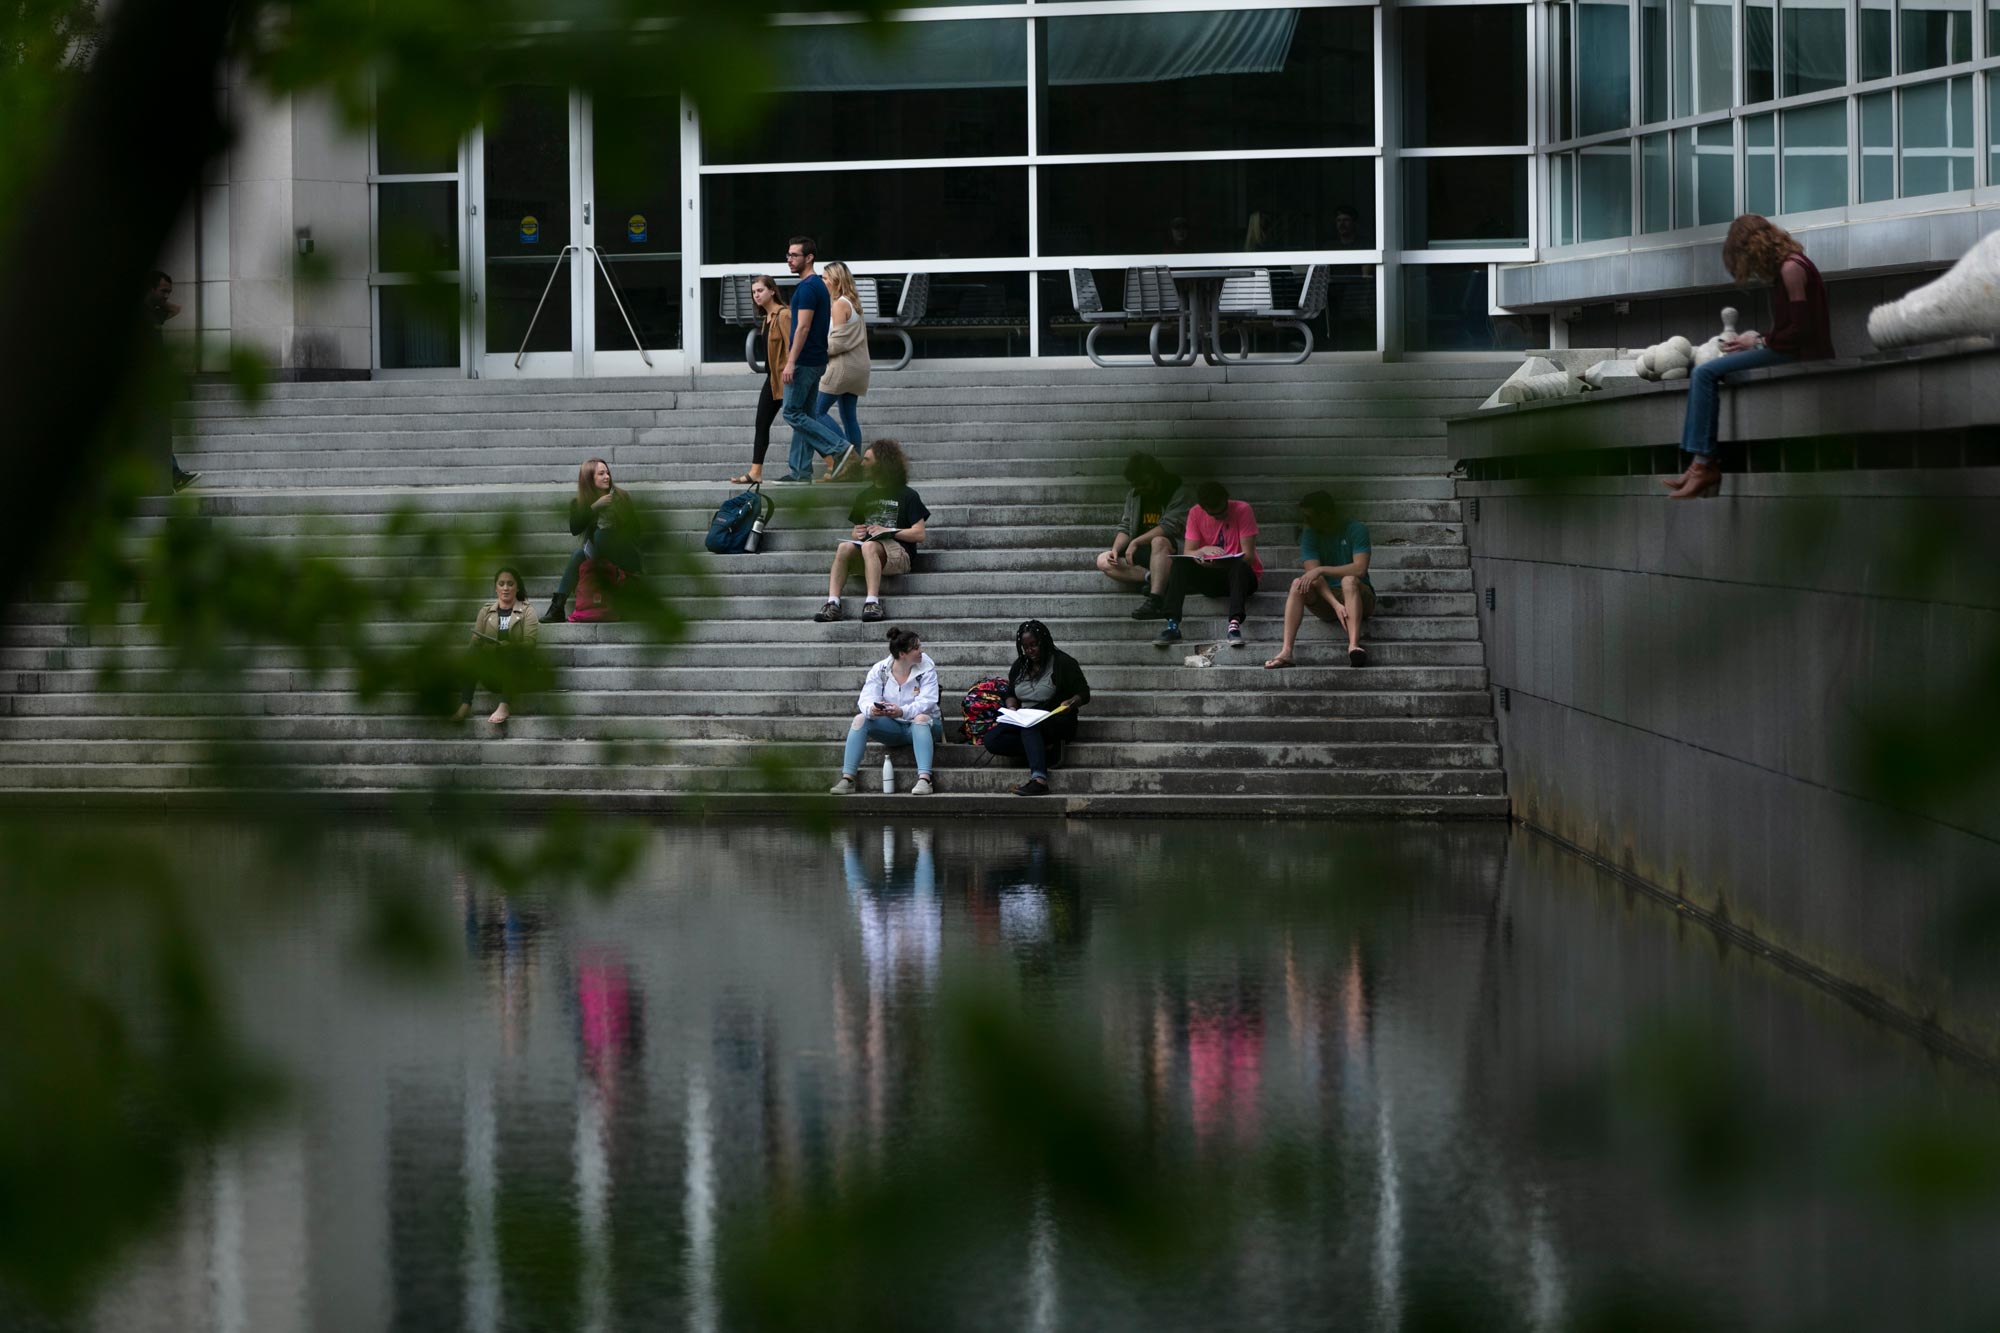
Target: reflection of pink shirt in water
[(604, 1006), (1225, 1064), (1228, 532)]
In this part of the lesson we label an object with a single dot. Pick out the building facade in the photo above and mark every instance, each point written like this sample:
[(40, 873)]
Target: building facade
[(1479, 177)]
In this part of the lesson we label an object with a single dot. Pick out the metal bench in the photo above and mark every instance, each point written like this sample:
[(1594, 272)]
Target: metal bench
[(1150, 296), (737, 310), (1247, 301)]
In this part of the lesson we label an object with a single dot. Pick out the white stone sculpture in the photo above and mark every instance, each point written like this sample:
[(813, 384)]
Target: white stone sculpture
[(1669, 360), (1534, 388), (1611, 369), (1964, 303)]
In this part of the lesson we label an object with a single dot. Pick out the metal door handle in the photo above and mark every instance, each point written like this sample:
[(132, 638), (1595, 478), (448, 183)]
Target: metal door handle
[(586, 215)]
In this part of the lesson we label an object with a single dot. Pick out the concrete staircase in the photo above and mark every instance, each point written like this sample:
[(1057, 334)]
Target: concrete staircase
[(1019, 469)]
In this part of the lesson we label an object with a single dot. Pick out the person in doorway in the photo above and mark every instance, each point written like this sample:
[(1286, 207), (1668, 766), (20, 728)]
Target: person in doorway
[(1220, 561), (775, 318), (504, 625), (898, 706), (1756, 250), (1335, 584), (1149, 530), (1043, 677), (603, 516), (888, 519), (805, 364), (160, 307), (846, 377)]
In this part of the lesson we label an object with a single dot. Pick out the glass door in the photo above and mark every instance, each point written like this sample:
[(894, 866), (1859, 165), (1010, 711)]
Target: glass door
[(633, 221), (528, 305)]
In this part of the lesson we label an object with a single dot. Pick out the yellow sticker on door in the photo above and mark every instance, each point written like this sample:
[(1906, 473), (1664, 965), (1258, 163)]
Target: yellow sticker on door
[(531, 230), (635, 229)]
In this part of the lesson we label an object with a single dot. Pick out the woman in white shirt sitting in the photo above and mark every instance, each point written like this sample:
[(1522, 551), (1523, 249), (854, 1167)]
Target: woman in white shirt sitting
[(898, 706), (504, 624)]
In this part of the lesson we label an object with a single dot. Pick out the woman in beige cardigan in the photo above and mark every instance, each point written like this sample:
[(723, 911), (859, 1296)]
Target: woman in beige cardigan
[(846, 377), (774, 317)]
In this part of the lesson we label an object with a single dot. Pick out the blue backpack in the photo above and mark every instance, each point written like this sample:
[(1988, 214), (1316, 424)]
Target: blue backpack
[(738, 527)]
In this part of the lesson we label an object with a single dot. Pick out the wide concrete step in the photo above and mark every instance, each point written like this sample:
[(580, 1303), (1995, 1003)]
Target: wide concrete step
[(495, 772), (450, 493), (1475, 733), (479, 743), (1353, 698)]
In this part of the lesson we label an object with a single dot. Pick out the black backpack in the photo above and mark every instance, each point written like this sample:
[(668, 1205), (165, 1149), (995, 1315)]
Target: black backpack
[(738, 527)]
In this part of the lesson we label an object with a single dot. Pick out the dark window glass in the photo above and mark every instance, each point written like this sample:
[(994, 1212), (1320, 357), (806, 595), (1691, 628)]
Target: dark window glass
[(968, 314), (1933, 37), (1206, 81), (1603, 66), (1442, 108), (947, 89), (1652, 61), (636, 182), (1562, 98), (1815, 47), (917, 213), (1348, 325), (419, 326), (1445, 311), (1760, 50), (413, 138), (1197, 207), (1465, 201), (417, 227), (527, 221)]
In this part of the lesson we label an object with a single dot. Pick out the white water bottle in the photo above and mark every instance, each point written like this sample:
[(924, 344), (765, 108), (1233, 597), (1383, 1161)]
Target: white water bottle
[(888, 774), (756, 538)]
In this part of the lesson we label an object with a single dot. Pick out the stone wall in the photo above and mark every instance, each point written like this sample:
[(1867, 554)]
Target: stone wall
[(1776, 704)]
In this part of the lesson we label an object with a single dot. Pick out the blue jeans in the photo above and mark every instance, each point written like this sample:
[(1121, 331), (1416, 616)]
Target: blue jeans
[(810, 435), (849, 422), (1704, 408), (892, 732)]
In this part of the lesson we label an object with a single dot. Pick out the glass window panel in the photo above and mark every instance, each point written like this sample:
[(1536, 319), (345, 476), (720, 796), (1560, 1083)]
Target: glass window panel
[(1562, 198), (1760, 151), (1562, 72), (1652, 61), (1760, 46), (1261, 204), (955, 89), (1459, 201), (1992, 129), (636, 173), (1445, 310), (1347, 324), (1937, 138), (1208, 80), (417, 227), (1878, 20), (1606, 191), (1815, 158), (418, 326), (968, 315), (1936, 32), (1655, 189), (1878, 147), (1604, 67), (891, 213), (1705, 167), (1815, 38), (527, 220), (1442, 108), (1703, 66), (413, 137), (1992, 32)]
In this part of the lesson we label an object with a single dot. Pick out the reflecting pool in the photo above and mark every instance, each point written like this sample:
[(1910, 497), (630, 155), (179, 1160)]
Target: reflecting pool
[(1034, 1076)]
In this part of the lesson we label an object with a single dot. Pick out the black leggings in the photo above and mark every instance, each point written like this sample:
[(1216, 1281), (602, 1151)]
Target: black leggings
[(1228, 578), (1030, 743), (767, 412)]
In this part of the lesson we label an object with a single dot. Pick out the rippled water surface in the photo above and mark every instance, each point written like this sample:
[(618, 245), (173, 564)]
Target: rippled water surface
[(1009, 1076)]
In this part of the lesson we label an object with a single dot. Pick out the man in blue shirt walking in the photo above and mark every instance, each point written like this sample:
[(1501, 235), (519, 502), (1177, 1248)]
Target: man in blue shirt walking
[(1335, 584), (811, 311)]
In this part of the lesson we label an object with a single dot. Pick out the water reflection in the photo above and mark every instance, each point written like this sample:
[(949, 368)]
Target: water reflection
[(1311, 1072)]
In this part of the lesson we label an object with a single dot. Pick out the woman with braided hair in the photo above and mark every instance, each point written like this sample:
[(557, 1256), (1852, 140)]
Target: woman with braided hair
[(1046, 678)]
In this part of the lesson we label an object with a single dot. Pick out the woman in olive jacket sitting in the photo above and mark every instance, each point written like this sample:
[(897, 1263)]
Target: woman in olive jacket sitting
[(504, 625), (1045, 677)]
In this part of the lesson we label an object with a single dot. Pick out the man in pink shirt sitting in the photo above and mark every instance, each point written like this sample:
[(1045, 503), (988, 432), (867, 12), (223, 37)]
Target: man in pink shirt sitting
[(1220, 560)]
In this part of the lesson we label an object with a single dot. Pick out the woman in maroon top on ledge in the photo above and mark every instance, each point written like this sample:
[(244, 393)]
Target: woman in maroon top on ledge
[(1756, 250)]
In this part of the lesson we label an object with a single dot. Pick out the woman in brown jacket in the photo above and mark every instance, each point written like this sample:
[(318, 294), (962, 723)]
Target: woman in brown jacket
[(504, 625), (777, 346)]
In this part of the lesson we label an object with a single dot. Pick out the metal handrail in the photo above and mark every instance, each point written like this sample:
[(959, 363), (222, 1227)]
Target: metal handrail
[(561, 255)]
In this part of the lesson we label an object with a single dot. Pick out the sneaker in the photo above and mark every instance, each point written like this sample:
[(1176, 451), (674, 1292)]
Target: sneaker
[(1235, 634), (827, 614), (923, 787), (1167, 637), (844, 787), (839, 470), (789, 477), (1032, 787), (183, 480), (1150, 608), (872, 611)]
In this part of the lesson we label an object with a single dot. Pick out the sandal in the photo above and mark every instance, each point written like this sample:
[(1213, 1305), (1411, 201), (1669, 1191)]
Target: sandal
[(745, 480), (1279, 663)]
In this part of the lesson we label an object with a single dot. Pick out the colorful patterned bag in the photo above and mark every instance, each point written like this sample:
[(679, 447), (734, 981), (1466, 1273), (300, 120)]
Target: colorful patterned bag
[(982, 709)]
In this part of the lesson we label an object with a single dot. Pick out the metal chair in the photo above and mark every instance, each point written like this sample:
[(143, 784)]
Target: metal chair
[(911, 307), (1247, 300), (1147, 297)]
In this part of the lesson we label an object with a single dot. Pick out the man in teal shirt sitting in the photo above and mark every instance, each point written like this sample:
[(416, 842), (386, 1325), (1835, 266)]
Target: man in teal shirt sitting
[(1335, 584)]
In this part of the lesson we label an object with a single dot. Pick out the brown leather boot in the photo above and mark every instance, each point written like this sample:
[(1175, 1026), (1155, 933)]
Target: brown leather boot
[(1701, 480)]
